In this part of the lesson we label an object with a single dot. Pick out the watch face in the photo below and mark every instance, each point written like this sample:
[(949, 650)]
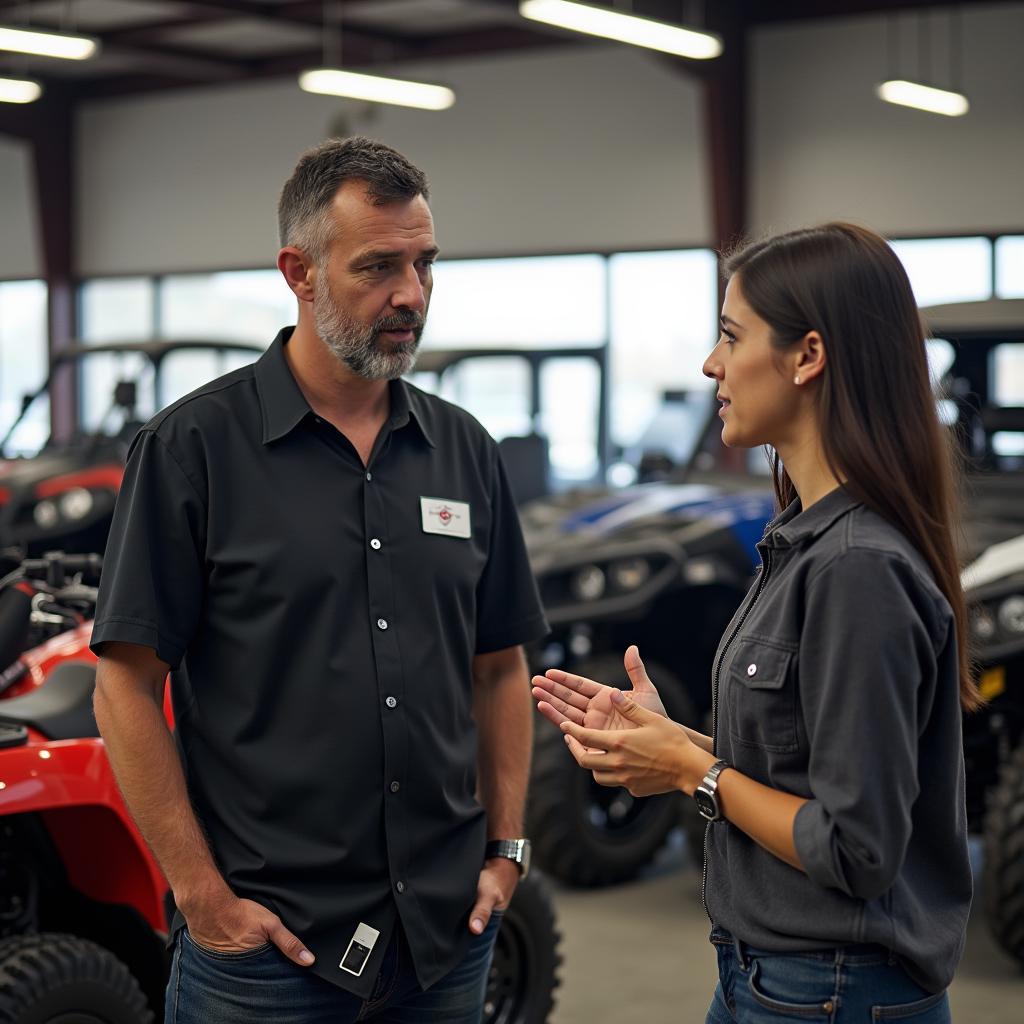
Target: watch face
[(524, 858), (706, 804)]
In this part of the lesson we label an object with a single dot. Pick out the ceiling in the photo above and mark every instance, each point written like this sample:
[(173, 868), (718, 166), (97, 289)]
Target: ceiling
[(164, 44)]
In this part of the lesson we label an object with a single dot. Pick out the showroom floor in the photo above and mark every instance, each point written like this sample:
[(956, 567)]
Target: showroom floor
[(639, 952)]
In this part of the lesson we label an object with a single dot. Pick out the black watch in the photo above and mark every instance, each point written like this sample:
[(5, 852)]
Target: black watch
[(515, 850), (706, 794)]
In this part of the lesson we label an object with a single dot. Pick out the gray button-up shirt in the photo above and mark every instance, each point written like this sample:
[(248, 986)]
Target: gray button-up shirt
[(837, 680)]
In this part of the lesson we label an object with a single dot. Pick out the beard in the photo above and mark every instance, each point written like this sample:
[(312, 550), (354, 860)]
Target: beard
[(361, 348)]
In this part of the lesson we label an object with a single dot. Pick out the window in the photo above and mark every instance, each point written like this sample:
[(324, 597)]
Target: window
[(23, 364), (664, 316), (1008, 374), (945, 270), (1010, 267), (536, 301), (117, 309), (242, 305)]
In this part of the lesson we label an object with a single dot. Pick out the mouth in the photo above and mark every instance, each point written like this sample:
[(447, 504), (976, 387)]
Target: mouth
[(401, 335)]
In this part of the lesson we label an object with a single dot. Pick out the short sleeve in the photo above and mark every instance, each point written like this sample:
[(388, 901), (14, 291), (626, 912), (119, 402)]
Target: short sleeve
[(151, 588), (509, 611)]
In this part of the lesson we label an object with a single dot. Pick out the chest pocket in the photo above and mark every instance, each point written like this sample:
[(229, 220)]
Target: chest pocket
[(763, 697)]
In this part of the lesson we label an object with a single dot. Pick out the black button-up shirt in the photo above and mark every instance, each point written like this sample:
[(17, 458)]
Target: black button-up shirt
[(320, 618)]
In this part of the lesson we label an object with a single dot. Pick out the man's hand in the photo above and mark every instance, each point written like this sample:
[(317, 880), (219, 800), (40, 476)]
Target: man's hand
[(564, 697), (228, 924), (498, 880)]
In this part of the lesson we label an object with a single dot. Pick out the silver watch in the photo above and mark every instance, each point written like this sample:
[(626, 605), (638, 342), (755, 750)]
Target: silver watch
[(515, 850), (706, 794)]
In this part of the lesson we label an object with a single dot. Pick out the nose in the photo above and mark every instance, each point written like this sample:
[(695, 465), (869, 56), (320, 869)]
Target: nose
[(410, 293), (712, 366)]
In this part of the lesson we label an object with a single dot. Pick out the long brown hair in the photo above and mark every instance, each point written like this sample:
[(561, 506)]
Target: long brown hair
[(875, 407)]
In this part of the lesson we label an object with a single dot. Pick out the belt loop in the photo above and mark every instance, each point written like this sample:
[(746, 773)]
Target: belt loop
[(740, 955)]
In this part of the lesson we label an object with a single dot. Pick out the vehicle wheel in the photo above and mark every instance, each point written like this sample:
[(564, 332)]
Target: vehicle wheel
[(589, 835), (62, 979), (524, 972), (1004, 857)]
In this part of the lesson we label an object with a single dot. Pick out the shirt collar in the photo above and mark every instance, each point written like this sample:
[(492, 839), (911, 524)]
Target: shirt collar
[(794, 525), (283, 405)]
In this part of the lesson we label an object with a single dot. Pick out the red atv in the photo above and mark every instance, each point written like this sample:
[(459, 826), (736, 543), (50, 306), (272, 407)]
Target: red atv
[(84, 909)]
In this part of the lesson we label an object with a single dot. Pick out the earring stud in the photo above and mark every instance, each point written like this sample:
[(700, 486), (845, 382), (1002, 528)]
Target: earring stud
[(796, 380)]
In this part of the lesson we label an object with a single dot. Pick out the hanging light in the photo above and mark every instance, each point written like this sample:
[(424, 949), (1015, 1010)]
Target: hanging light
[(931, 98), (48, 44), (331, 80), (376, 88), (624, 28), (19, 90)]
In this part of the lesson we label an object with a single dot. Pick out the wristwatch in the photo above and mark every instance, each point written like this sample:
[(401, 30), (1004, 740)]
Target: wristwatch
[(706, 794), (515, 850)]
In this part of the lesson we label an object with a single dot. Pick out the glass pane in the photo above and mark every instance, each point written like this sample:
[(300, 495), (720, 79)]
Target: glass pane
[(1010, 267), (522, 303), (117, 309), (100, 374), (243, 305), (571, 426), (947, 269), (495, 390), (1008, 374), (940, 358), (664, 316), (182, 372), (23, 363)]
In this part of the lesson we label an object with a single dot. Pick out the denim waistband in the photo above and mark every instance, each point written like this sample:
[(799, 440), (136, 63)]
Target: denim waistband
[(846, 953)]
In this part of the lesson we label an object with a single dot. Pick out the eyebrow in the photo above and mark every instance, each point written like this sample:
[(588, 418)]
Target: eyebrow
[(375, 255), (723, 319)]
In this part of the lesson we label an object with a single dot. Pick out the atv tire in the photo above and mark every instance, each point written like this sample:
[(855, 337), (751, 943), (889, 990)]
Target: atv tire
[(524, 972), (1004, 857), (588, 835), (66, 980)]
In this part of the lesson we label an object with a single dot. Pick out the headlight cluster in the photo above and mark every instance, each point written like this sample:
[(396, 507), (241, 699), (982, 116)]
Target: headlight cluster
[(64, 509), (592, 582), (998, 620)]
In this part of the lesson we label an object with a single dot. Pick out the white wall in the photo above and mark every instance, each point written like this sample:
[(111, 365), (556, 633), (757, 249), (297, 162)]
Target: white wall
[(824, 147), (544, 152), (20, 254)]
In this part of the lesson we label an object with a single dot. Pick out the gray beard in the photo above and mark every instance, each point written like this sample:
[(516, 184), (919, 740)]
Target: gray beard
[(359, 347)]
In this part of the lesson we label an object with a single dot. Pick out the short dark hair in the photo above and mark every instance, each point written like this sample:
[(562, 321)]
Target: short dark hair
[(307, 195)]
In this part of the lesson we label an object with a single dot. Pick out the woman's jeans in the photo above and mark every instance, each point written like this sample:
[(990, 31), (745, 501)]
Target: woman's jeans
[(847, 985), (263, 985)]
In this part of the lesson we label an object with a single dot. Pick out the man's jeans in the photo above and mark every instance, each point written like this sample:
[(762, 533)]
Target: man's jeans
[(848, 985), (263, 985)]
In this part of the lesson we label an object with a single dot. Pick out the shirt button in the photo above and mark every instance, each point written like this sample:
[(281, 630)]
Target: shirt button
[(392, 702), (395, 787), (382, 623), (375, 544), (369, 476), (400, 886), (751, 670)]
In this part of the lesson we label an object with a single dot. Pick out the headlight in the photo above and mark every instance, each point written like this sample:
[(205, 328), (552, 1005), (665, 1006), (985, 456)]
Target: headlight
[(46, 515), (588, 583), (76, 504), (630, 573), (1011, 614)]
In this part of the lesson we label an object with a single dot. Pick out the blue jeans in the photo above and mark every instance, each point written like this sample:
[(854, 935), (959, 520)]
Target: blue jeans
[(848, 985), (263, 985)]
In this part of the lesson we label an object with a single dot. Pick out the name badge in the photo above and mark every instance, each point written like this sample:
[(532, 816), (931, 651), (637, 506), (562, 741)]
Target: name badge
[(445, 518)]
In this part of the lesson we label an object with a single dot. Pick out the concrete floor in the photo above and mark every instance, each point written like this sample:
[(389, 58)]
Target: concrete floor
[(639, 952)]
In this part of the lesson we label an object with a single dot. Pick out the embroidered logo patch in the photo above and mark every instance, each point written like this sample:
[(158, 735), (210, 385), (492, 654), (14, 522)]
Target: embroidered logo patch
[(445, 518)]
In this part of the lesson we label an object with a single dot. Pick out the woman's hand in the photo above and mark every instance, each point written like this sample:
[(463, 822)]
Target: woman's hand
[(643, 751), (564, 697)]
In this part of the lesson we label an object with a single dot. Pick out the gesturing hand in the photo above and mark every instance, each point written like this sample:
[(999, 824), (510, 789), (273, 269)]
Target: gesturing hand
[(565, 697)]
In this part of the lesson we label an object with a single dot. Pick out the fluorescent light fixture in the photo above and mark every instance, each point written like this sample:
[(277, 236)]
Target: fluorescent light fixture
[(624, 28), (923, 97), (19, 90), (47, 44), (376, 89)]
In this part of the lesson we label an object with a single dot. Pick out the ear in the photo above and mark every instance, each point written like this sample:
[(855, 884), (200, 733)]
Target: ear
[(810, 357), (298, 271)]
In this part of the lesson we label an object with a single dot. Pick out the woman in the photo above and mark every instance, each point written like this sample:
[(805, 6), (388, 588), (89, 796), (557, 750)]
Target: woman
[(837, 879)]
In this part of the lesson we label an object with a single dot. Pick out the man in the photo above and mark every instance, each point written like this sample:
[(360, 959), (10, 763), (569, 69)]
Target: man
[(329, 562)]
